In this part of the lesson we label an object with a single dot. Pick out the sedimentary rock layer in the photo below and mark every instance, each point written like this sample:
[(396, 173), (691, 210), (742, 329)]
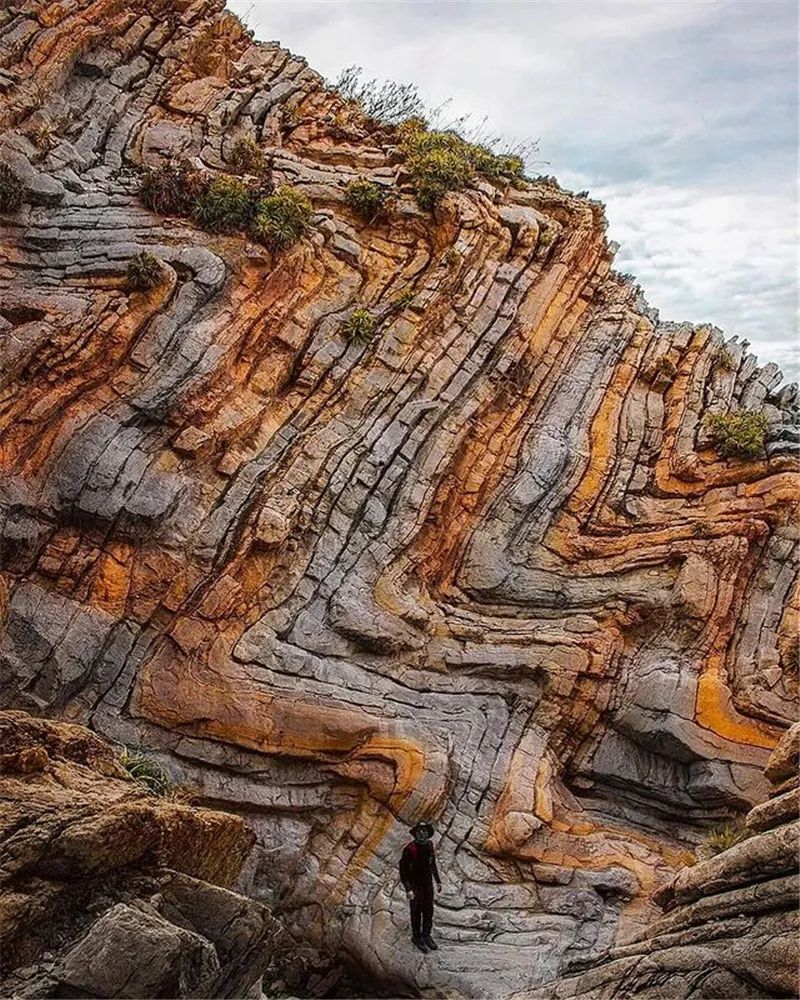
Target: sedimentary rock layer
[(731, 927), (485, 569), (104, 890)]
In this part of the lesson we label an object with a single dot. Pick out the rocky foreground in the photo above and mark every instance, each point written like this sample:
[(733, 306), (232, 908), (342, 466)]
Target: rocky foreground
[(360, 518), (732, 925), (106, 891)]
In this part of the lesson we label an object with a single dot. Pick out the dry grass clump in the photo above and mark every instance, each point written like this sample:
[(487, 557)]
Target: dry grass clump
[(173, 189)]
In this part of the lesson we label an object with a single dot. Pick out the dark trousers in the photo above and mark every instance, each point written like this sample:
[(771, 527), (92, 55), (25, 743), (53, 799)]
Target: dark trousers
[(422, 911)]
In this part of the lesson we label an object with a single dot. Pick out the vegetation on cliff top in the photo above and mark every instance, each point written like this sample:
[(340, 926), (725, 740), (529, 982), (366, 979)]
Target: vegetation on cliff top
[(724, 359), (439, 162), (439, 159), (388, 103)]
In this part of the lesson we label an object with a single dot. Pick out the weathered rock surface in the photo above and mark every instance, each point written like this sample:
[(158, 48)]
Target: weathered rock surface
[(732, 924), (105, 890), (485, 569)]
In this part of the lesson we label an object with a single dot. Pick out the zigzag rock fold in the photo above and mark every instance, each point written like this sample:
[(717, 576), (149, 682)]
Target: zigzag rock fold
[(488, 567)]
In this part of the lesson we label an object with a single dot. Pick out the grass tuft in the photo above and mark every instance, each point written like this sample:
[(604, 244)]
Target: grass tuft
[(740, 434), (405, 298), (387, 103), (722, 838), (725, 360), (246, 156), (440, 162), (666, 366), (224, 207), (360, 326), (366, 198), (44, 137), (282, 218), (144, 272), (148, 772)]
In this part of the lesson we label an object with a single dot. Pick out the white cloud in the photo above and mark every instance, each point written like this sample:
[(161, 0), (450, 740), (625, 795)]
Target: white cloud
[(730, 259), (682, 117)]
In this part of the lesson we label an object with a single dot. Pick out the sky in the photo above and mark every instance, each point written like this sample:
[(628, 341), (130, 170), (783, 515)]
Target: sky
[(680, 115)]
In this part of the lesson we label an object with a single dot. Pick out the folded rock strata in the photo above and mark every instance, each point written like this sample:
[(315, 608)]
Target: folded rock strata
[(106, 891), (485, 569), (732, 925)]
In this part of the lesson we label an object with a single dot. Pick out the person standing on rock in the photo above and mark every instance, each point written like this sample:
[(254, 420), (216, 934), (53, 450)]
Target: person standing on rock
[(418, 872)]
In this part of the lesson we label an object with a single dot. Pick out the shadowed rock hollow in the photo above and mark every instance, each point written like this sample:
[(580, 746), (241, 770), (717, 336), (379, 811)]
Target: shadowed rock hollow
[(732, 921), (485, 567)]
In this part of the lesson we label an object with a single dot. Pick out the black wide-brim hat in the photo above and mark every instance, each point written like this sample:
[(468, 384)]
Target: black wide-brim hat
[(422, 826)]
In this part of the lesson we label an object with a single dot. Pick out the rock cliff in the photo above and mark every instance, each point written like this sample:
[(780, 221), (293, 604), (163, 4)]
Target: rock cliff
[(488, 563), (732, 924)]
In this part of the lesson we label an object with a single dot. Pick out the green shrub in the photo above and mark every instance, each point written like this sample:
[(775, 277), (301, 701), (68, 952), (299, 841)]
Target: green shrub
[(224, 207), (173, 189), (443, 161), (546, 237), (282, 218), (144, 272), (740, 434), (366, 198), (12, 190), (721, 838), (146, 771), (360, 326), (724, 359), (246, 157)]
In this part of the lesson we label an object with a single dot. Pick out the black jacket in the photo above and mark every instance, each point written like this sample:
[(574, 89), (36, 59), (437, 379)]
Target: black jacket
[(418, 866)]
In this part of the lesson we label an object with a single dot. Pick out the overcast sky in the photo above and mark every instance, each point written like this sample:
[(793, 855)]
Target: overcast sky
[(680, 116)]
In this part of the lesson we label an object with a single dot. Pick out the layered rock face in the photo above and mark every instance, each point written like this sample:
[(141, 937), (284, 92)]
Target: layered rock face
[(732, 924), (105, 890), (484, 569)]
